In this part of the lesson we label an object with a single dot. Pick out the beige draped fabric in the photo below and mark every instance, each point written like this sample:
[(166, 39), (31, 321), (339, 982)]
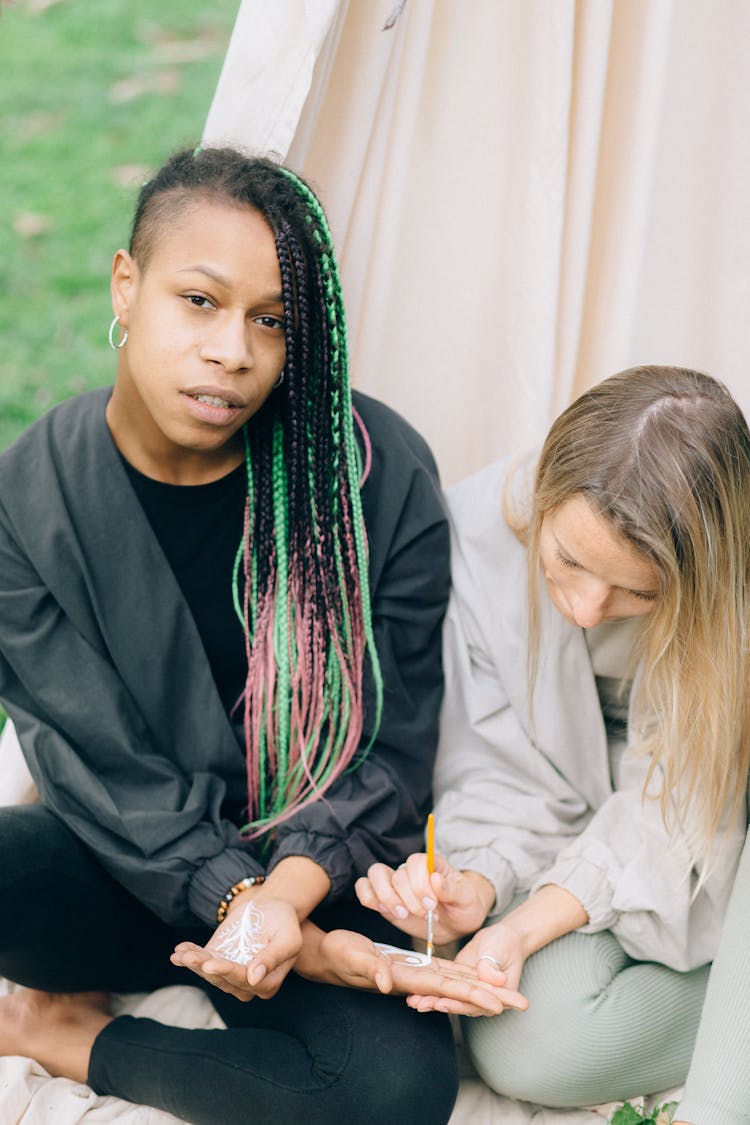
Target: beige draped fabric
[(526, 195)]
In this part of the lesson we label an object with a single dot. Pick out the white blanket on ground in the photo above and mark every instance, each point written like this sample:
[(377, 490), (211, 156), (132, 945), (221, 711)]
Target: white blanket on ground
[(29, 1096)]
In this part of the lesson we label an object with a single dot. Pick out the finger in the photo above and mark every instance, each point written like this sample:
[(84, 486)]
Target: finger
[(382, 880), (215, 969), (451, 886), (476, 1004), (185, 945), (269, 986), (379, 874), (491, 966), (375, 969), (442, 866), (369, 969), (513, 999), (190, 959), (230, 981), (465, 1008), (239, 991), (222, 974), (422, 1003), (184, 949), (412, 881), (488, 968), (475, 949), (218, 962), (266, 985), (262, 966), (357, 960), (491, 997), (240, 994), (494, 999), (229, 976), (279, 953), (383, 979), (487, 1001), (439, 1004), (449, 1007), (454, 968), (365, 894), (411, 899), (210, 966)]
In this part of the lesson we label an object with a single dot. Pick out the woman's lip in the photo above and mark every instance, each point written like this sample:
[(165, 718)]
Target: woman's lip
[(209, 412), (228, 396)]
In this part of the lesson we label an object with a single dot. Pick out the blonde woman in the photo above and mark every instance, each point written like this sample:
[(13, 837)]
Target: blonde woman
[(594, 751)]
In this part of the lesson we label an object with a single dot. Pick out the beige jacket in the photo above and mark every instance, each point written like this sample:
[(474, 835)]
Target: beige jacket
[(526, 809)]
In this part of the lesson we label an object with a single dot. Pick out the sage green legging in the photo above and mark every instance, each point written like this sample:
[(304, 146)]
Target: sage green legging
[(600, 1027)]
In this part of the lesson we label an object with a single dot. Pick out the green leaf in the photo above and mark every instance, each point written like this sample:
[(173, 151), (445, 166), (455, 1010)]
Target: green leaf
[(627, 1114)]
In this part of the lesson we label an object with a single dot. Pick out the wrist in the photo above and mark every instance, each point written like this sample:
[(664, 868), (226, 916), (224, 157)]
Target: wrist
[(484, 890), (309, 962), (237, 891), (241, 900), (549, 913), (297, 880)]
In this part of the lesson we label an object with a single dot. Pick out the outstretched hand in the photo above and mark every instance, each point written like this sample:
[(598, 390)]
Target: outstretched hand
[(460, 899), (495, 958), (279, 941), (351, 959)]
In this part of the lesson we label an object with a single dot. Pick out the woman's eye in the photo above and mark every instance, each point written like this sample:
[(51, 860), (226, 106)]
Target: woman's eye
[(199, 301), (270, 322), (644, 597), (565, 560)]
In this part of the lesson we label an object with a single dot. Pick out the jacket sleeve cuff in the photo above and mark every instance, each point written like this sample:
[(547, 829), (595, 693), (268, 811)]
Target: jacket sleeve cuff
[(327, 851), (588, 878), (212, 881)]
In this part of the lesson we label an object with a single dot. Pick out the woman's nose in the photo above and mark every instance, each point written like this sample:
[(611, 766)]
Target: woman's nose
[(229, 344), (589, 607)]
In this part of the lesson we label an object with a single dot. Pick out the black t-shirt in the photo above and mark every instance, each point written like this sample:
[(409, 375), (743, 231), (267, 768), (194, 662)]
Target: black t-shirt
[(199, 528)]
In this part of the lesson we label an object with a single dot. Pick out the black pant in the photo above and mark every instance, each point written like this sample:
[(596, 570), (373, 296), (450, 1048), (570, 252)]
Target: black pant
[(314, 1053)]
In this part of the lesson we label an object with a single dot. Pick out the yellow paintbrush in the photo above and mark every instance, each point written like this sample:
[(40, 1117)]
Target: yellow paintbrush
[(430, 868)]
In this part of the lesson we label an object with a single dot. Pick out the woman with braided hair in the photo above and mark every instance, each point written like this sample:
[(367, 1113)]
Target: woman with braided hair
[(222, 584)]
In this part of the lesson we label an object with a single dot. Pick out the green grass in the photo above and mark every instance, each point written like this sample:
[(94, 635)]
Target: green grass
[(92, 94)]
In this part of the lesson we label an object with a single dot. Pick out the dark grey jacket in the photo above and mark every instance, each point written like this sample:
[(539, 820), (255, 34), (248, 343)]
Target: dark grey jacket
[(103, 671)]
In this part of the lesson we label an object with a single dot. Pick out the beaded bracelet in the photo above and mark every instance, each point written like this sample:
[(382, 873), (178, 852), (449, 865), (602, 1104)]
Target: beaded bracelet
[(238, 888)]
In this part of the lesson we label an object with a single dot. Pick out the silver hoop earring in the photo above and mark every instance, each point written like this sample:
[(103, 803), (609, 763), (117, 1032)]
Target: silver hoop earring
[(123, 339), (280, 380)]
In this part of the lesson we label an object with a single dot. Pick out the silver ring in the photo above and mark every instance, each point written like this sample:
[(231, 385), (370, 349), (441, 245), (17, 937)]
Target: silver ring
[(493, 960)]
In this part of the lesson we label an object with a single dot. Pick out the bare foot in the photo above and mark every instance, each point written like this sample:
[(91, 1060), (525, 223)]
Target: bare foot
[(56, 1029)]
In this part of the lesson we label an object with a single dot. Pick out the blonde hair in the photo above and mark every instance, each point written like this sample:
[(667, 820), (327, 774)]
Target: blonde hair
[(663, 454)]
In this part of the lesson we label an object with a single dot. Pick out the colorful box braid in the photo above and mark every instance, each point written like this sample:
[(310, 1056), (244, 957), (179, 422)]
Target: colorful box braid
[(307, 620)]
